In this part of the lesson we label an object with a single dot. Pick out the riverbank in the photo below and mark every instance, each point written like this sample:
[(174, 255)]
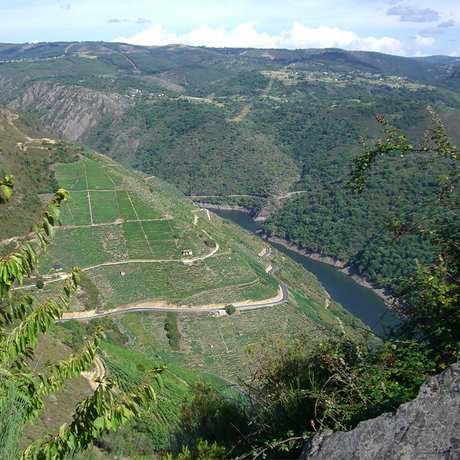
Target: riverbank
[(343, 266), (224, 207)]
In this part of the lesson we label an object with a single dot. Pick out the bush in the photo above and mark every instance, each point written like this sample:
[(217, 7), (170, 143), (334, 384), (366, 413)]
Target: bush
[(172, 328)]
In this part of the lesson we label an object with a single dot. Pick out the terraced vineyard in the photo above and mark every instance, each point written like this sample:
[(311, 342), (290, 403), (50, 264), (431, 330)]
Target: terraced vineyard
[(128, 233)]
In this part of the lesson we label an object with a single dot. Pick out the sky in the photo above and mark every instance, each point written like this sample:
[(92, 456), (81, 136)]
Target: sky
[(406, 27)]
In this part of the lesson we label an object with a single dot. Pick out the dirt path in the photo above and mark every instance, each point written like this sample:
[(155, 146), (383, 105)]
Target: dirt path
[(243, 113), (97, 371)]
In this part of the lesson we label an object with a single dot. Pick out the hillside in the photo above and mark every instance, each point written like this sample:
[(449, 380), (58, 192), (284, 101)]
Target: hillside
[(247, 127), (127, 232)]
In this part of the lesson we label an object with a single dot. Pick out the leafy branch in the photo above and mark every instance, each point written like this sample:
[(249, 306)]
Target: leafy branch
[(24, 260), (22, 390)]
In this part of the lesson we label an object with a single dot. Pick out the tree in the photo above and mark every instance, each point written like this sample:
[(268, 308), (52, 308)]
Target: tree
[(24, 386), (334, 383), (429, 300)]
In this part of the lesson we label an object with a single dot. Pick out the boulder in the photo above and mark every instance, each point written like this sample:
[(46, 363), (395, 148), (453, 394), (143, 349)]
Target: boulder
[(427, 428)]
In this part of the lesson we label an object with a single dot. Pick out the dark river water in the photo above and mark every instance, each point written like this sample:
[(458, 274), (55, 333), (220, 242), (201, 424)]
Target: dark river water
[(362, 302)]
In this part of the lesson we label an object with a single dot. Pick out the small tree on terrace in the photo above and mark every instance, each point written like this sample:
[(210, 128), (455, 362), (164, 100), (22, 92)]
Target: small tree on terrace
[(23, 387)]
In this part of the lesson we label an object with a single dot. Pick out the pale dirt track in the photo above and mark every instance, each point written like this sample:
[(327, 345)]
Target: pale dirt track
[(97, 371)]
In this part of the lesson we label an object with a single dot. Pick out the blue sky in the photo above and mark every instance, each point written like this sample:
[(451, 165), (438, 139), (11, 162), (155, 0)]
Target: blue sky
[(407, 27)]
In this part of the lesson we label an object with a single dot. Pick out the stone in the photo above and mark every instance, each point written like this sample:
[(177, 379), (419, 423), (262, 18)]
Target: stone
[(427, 428)]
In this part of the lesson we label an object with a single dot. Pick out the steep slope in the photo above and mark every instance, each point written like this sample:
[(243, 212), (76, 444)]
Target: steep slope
[(28, 149), (140, 242), (72, 110), (246, 127)]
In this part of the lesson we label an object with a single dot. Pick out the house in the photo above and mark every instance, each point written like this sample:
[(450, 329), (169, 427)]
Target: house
[(187, 252)]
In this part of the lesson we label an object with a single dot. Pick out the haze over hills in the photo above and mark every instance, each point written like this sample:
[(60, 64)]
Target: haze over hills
[(248, 126)]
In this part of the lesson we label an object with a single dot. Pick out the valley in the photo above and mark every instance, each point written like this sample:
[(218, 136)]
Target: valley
[(140, 135), (126, 231), (235, 127)]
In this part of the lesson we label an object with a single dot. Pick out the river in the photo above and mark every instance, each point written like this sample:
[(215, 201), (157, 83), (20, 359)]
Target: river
[(360, 301)]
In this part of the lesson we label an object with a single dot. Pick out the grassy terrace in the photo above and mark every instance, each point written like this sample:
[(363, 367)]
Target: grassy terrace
[(215, 344), (128, 232)]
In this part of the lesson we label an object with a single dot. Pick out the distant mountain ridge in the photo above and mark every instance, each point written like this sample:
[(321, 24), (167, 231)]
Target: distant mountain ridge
[(187, 55)]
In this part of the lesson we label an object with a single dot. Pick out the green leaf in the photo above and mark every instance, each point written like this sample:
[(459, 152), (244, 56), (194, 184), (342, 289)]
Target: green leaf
[(7, 191)]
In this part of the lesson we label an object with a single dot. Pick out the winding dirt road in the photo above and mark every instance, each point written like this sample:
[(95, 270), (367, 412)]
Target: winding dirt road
[(282, 297)]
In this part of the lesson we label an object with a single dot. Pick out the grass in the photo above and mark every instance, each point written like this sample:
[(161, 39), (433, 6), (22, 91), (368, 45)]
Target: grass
[(136, 242), (144, 211), (79, 207), (72, 176), (59, 408), (129, 369), (211, 343), (126, 208), (90, 246), (97, 177), (104, 207)]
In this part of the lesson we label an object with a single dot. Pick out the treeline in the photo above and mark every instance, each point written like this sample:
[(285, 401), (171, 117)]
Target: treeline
[(194, 146)]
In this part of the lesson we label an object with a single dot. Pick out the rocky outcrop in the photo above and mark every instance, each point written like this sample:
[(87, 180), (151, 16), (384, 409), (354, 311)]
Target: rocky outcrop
[(427, 428), (70, 109)]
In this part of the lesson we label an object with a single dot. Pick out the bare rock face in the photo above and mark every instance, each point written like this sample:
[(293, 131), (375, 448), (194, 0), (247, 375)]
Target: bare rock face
[(427, 428), (69, 109)]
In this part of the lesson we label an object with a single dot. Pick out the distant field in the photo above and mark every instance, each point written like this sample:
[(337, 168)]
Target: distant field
[(72, 176), (97, 177), (126, 208), (104, 207), (214, 280), (88, 246)]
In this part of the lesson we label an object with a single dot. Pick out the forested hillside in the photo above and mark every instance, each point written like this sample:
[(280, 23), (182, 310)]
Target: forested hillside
[(247, 127)]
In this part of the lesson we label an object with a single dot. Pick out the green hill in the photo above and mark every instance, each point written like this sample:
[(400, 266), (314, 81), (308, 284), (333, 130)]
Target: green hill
[(247, 126), (126, 231)]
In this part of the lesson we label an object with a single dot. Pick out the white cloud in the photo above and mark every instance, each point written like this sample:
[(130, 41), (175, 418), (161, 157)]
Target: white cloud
[(424, 41), (244, 35)]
